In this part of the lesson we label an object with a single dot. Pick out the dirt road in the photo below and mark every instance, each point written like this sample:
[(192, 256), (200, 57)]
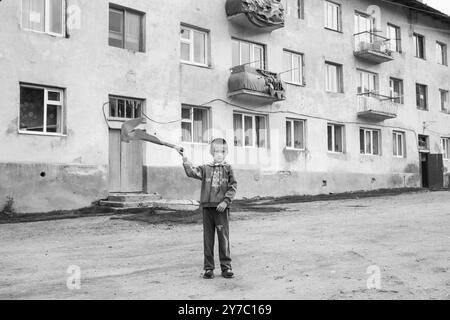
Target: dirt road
[(318, 250)]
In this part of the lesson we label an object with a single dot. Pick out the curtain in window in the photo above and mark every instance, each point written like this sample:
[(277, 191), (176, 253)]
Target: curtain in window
[(32, 109), (200, 126), (298, 134), (56, 16), (116, 28), (289, 134), (237, 123), (33, 15), (133, 31), (260, 123), (199, 47)]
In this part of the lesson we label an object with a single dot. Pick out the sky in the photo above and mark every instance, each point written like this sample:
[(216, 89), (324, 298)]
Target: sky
[(441, 5)]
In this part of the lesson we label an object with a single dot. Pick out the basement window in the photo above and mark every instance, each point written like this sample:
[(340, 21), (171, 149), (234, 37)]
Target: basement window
[(45, 16), (41, 110)]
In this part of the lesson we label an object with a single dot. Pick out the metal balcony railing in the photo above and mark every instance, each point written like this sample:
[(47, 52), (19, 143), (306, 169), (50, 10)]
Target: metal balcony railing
[(373, 47), (377, 107)]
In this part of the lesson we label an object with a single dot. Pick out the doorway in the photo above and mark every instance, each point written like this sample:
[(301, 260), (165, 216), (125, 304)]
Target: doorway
[(126, 164), (432, 170)]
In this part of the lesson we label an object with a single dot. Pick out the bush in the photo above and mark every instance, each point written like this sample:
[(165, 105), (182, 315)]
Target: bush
[(8, 209)]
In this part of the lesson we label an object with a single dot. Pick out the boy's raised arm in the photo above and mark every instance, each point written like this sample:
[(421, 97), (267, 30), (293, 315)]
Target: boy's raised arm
[(191, 171)]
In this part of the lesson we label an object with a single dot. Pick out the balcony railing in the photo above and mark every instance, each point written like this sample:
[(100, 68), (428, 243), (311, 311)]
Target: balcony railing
[(376, 107), (255, 85), (259, 15), (373, 47)]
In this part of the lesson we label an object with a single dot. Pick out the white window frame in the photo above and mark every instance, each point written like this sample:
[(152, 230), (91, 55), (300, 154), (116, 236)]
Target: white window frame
[(126, 12), (254, 135), (336, 16), (47, 20), (445, 148), (394, 39), (371, 131), (292, 122), (191, 122), (416, 38), (441, 53), (400, 153), (333, 138), (330, 86), (397, 99), (142, 101), (254, 63), (446, 107), (291, 73), (46, 103), (191, 44)]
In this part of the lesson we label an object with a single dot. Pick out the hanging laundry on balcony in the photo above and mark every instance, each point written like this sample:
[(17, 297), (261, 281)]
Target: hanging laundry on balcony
[(262, 14), (255, 84)]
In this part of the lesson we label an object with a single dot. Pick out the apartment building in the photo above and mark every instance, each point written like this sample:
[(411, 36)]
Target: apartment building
[(314, 96)]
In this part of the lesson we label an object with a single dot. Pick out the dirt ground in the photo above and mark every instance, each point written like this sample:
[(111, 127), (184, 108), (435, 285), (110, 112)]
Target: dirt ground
[(307, 250)]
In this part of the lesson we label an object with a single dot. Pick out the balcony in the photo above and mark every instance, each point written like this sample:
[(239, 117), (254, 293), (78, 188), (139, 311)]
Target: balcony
[(257, 15), (372, 47), (375, 107), (255, 85)]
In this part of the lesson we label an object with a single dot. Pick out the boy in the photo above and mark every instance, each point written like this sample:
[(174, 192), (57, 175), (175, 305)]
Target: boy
[(219, 188)]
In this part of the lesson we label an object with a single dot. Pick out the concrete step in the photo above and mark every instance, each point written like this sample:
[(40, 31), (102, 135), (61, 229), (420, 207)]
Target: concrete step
[(133, 197), (126, 205)]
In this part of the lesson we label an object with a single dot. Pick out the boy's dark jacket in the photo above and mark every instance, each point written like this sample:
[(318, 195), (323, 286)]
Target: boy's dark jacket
[(218, 183)]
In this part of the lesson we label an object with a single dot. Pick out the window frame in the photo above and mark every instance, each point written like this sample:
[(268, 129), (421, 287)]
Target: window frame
[(416, 37), (191, 43), (371, 131), (253, 45), (125, 10), (376, 81), (254, 133), (293, 55), (333, 138), (401, 98), (61, 103), (418, 85), (292, 122), (395, 136), (112, 96), (337, 9), (441, 53), (339, 77), (447, 92), (398, 37), (191, 122), (47, 20)]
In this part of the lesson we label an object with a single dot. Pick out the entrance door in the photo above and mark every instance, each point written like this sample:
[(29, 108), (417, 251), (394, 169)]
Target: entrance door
[(126, 161), (436, 171), (424, 169)]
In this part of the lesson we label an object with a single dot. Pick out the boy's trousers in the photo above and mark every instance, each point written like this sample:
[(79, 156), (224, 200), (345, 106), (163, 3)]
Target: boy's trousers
[(212, 221)]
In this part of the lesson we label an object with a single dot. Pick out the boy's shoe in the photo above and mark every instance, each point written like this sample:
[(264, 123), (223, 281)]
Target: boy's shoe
[(228, 274), (209, 274)]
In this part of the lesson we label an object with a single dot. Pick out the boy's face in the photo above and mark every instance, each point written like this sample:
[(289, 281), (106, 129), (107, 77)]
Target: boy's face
[(219, 153)]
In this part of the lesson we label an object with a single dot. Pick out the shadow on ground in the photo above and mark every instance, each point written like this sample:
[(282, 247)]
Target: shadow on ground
[(156, 216)]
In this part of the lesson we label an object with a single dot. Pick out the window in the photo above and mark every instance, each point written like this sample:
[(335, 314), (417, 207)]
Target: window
[(364, 25), (399, 144), (444, 101), (422, 96), (424, 143), (294, 7), (250, 130), (295, 134), (368, 82), (370, 143), (293, 67), (333, 16), (396, 90), (125, 108), (419, 45), (446, 148), (248, 53), (46, 16), (126, 29), (394, 36), (41, 110), (441, 52), (195, 124), (194, 46), (335, 138), (334, 77)]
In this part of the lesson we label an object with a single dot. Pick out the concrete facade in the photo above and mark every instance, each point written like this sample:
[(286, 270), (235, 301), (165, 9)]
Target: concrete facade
[(43, 173)]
